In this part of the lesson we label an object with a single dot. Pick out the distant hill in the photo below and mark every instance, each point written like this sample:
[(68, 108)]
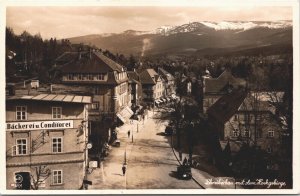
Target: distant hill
[(198, 38)]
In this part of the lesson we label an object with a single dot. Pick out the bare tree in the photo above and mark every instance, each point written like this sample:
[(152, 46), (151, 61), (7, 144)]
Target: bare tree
[(41, 174)]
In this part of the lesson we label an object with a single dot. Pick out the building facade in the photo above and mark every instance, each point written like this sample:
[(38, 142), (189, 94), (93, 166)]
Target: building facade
[(240, 117), (169, 81), (107, 82), (136, 89), (46, 137), (152, 85)]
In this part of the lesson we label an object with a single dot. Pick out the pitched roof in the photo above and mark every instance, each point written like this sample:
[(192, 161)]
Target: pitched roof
[(91, 62), (149, 76), (253, 102), (66, 57), (166, 75), (216, 85), (227, 106)]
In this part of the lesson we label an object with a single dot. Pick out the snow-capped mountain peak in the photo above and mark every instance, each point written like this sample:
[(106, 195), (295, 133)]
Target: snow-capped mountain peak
[(223, 25)]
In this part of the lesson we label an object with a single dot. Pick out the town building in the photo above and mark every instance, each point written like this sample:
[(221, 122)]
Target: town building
[(136, 89), (214, 88), (152, 85), (46, 139), (241, 117), (169, 81), (107, 82)]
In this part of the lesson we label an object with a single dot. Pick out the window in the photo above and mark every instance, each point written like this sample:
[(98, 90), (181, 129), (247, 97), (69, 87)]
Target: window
[(70, 77), (235, 117), (80, 77), (90, 77), (258, 133), (95, 105), (247, 133), (21, 112), (56, 144), (235, 133), (97, 91), (56, 112), (269, 150), (21, 147), (100, 76), (270, 133), (57, 177)]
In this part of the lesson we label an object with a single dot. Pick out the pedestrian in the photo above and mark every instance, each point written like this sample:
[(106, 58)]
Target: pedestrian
[(128, 133), (184, 161), (124, 169)]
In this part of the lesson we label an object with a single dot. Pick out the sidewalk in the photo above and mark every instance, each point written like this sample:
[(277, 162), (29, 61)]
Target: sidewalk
[(207, 180), (109, 175)]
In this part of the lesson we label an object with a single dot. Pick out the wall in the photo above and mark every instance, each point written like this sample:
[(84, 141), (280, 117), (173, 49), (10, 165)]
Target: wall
[(267, 123), (39, 143)]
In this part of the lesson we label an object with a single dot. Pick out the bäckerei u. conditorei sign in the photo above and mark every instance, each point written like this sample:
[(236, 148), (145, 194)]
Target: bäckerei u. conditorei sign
[(35, 125)]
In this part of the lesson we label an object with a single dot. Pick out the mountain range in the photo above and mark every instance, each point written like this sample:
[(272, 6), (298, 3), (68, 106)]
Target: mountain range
[(200, 38)]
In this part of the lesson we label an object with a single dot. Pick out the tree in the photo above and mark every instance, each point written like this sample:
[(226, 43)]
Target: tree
[(131, 63), (41, 174)]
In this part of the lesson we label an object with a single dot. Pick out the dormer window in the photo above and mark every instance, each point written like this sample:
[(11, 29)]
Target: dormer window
[(100, 76), (70, 77), (90, 77)]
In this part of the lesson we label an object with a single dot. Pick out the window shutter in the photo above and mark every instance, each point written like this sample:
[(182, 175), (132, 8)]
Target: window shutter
[(14, 150)]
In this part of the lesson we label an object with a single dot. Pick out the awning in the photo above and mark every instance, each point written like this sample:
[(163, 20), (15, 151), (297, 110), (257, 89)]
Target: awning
[(121, 118), (125, 114)]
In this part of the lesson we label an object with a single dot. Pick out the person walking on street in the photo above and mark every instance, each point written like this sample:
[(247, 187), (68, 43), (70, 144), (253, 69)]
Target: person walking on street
[(124, 169), (128, 133)]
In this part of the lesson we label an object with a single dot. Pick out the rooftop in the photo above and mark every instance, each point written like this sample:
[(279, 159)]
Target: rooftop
[(216, 85), (90, 62), (53, 97), (149, 76)]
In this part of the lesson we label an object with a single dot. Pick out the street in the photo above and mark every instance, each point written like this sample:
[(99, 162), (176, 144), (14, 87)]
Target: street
[(151, 163)]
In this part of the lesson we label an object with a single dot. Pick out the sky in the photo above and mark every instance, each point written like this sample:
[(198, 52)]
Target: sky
[(66, 22)]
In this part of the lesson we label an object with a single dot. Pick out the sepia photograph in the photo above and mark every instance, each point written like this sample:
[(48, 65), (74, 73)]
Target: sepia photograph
[(140, 97)]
